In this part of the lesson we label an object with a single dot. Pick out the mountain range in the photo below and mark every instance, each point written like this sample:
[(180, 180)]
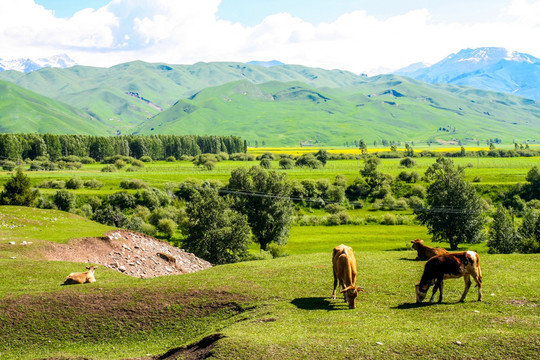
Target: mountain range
[(28, 65), (280, 104), (487, 68)]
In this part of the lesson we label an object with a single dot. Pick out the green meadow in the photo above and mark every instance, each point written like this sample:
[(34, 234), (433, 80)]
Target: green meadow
[(265, 309), (279, 309)]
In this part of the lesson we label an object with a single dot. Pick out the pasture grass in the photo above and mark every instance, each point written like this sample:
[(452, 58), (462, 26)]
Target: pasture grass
[(491, 171), (279, 309)]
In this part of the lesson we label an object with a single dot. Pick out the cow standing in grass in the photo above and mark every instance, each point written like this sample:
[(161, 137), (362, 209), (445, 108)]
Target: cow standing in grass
[(344, 266), (450, 266)]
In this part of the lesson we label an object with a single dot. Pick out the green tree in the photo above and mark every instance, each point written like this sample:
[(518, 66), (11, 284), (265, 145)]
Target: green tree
[(214, 231), (18, 191), (532, 188), (529, 232), (363, 147), (263, 196), (322, 156), (502, 237), (454, 210)]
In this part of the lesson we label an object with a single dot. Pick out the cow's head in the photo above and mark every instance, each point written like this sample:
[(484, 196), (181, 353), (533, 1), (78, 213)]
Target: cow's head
[(421, 292), (416, 243), (350, 295)]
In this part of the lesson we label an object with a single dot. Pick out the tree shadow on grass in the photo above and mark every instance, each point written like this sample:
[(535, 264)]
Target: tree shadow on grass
[(317, 303)]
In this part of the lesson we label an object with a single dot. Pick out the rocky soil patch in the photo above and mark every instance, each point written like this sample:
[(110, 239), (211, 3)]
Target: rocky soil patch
[(130, 253)]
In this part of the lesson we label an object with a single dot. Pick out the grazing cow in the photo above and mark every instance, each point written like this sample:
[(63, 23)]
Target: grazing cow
[(81, 277), (426, 252), (450, 266), (344, 265)]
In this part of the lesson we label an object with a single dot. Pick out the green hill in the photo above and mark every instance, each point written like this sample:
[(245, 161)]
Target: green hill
[(383, 107), (281, 105), (104, 92), (24, 111)]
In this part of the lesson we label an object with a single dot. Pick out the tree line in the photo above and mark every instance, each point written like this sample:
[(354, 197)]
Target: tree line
[(30, 146)]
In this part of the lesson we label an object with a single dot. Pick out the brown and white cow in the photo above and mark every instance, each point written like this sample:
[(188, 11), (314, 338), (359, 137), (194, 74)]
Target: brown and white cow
[(344, 265), (450, 266), (426, 252)]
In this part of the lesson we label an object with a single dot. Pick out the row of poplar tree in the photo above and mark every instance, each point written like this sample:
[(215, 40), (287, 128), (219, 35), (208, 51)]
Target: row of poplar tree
[(158, 147)]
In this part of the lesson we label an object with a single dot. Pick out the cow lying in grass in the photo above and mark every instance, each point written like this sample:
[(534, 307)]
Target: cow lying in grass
[(450, 266), (344, 266), (81, 277), (426, 252)]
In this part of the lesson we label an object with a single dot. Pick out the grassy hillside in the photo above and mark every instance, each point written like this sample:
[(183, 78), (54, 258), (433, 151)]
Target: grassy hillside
[(102, 91), (24, 111), (383, 107), (281, 105), (279, 309)]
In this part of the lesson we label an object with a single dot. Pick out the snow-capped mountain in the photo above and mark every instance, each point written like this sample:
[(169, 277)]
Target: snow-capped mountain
[(486, 68), (29, 65)]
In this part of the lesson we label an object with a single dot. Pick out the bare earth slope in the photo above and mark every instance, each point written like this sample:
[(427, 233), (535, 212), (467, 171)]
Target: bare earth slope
[(129, 252)]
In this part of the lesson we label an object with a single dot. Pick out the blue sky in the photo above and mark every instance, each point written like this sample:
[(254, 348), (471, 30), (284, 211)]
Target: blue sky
[(356, 35)]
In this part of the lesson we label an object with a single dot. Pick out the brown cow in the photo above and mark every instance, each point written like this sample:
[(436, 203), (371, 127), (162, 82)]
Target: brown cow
[(450, 266), (344, 265), (81, 277), (426, 252)]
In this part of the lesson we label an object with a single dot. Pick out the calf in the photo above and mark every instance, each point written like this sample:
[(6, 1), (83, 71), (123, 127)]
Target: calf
[(426, 252), (81, 277), (450, 266), (344, 265)]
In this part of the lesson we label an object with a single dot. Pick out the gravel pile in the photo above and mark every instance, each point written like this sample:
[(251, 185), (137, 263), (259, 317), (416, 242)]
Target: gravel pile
[(130, 253)]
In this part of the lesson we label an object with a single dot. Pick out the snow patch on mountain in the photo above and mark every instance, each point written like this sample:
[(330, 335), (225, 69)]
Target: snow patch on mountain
[(29, 65)]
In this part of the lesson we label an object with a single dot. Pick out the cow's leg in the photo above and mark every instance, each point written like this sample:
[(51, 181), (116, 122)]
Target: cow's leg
[(440, 291), (479, 284), (467, 279), (335, 286), (435, 288)]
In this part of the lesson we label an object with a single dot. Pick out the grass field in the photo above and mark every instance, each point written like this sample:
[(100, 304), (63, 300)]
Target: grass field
[(158, 173), (279, 309)]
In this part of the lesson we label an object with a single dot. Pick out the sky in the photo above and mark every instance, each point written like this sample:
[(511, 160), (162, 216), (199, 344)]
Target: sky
[(362, 36)]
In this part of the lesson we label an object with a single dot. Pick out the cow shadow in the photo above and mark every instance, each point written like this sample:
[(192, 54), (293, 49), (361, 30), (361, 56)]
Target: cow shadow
[(317, 303), (413, 305)]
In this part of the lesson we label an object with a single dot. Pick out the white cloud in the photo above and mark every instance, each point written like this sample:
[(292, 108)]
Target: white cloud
[(187, 31)]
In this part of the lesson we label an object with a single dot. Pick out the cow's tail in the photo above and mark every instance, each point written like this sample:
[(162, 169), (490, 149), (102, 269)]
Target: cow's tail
[(477, 268)]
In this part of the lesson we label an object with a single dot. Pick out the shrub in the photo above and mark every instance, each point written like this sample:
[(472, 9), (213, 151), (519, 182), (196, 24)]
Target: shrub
[(286, 163), (74, 183), (276, 250), (407, 162), (477, 179), (18, 191), (120, 164), (8, 165), (52, 184), (146, 159), (109, 168), (110, 216), (122, 200), (137, 163), (170, 159), (167, 227), (266, 163), (334, 208), (133, 184), (93, 184), (64, 200), (389, 219)]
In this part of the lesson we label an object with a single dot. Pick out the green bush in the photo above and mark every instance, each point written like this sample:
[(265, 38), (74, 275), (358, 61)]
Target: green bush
[(64, 200), (167, 227), (146, 158), (74, 183), (170, 159), (276, 250), (109, 168)]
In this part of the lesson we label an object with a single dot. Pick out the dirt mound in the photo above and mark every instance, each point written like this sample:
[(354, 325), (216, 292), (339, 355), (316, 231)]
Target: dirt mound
[(130, 253)]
